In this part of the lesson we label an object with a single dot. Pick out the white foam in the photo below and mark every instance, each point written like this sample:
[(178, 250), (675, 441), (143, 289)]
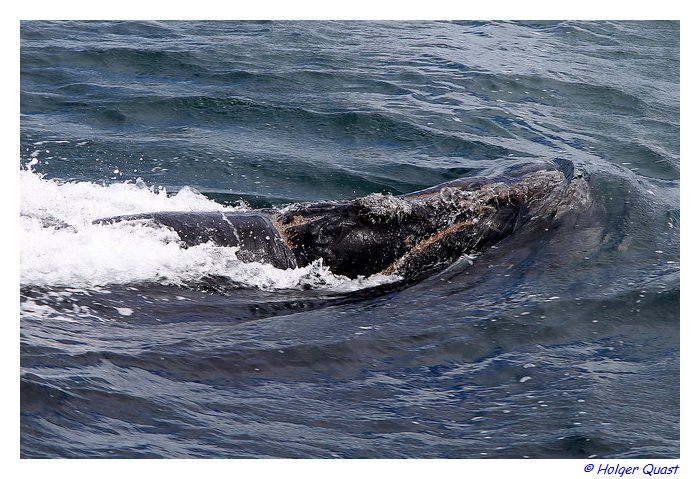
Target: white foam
[(79, 203), (61, 247)]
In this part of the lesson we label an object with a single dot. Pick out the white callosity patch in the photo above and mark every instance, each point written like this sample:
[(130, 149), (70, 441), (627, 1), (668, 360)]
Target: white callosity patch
[(61, 247), (380, 207)]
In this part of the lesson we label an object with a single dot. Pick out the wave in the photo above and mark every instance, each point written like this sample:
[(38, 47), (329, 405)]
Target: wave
[(62, 248)]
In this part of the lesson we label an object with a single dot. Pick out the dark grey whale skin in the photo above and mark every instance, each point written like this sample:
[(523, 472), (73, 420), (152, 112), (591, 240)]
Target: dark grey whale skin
[(253, 232), (408, 235)]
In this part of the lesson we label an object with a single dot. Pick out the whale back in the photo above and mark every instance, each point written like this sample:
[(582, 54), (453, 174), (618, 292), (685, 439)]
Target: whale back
[(253, 233)]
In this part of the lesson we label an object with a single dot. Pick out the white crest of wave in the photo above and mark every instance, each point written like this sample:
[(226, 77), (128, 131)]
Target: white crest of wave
[(61, 247), (81, 202)]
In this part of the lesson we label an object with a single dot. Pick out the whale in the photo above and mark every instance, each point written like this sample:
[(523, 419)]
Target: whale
[(409, 235)]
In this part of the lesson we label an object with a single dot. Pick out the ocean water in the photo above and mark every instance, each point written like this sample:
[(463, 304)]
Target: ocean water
[(556, 346)]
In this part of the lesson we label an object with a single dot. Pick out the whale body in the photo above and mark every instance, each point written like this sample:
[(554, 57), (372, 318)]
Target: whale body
[(407, 235)]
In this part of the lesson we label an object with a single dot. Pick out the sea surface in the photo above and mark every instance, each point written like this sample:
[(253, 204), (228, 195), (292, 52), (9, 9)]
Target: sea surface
[(559, 346)]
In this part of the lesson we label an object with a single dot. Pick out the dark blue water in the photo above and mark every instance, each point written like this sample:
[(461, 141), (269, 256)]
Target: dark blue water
[(560, 346)]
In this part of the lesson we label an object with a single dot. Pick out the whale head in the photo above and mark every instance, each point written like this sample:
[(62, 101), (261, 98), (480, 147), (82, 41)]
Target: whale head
[(415, 233)]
